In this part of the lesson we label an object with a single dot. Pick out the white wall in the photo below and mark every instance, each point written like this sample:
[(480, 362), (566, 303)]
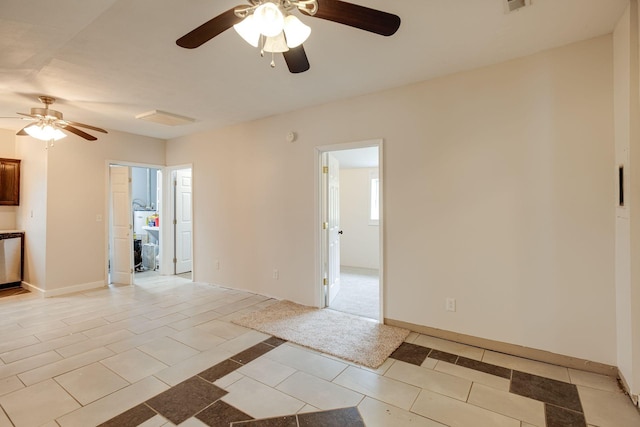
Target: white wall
[(359, 245), (498, 192), (627, 144)]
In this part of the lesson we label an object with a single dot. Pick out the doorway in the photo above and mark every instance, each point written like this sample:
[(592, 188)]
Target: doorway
[(351, 228), (150, 222)]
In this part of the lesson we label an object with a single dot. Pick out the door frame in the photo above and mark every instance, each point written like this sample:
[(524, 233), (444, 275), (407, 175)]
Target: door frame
[(107, 193), (168, 193), (320, 204)]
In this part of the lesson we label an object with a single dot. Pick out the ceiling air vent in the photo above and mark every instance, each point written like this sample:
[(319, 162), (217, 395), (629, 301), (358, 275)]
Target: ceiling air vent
[(165, 118), (514, 5)]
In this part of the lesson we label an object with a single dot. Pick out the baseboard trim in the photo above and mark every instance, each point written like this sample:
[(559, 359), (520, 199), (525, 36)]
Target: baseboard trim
[(45, 293), (512, 349)]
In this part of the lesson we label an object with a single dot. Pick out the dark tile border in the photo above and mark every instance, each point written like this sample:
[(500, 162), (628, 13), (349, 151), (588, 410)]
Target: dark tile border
[(198, 397)]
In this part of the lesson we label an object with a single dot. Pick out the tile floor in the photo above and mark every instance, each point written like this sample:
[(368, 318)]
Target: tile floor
[(164, 353)]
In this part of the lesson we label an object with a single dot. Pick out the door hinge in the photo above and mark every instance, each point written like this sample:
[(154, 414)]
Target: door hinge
[(129, 179), (132, 271), (175, 183), (175, 222), (175, 260), (325, 169), (324, 281), (325, 225)]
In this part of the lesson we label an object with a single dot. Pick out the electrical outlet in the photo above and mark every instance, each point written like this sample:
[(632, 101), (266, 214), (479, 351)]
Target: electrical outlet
[(450, 304), (276, 273)]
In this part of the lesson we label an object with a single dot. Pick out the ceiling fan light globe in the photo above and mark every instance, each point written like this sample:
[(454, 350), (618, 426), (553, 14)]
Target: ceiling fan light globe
[(276, 44), (268, 19), (295, 31), (248, 30), (44, 132)]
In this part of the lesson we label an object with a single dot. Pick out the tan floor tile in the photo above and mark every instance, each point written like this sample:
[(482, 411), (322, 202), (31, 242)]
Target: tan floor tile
[(259, 400), (197, 339), (244, 341), (17, 367), (449, 346), (473, 375), (597, 381), (455, 413), (93, 343), (10, 384), (106, 408), (91, 383), (134, 365), (32, 350), (509, 404), (267, 371), (223, 329), (62, 366), (608, 409), (136, 340), (379, 387), (318, 392), (38, 404), (194, 365), (542, 369), (378, 414), (442, 383), (168, 350), (307, 361), (226, 381)]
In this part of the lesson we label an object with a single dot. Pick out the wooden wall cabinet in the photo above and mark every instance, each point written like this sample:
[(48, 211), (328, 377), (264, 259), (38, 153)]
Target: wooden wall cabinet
[(9, 182)]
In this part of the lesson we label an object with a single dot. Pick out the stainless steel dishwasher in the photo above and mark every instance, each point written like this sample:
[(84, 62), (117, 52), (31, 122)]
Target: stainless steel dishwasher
[(11, 250)]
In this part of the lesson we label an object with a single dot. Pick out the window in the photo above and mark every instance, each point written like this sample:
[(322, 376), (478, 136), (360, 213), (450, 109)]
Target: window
[(374, 200)]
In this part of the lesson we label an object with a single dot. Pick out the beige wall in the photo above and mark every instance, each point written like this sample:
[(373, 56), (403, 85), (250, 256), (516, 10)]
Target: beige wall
[(498, 192), (7, 150), (627, 145), (359, 245)]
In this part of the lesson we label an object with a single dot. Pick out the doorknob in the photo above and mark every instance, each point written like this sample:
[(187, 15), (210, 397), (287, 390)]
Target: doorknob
[(340, 232)]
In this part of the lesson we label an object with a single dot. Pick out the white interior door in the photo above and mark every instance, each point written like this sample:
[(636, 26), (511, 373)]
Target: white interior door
[(184, 222), (121, 245), (333, 227)]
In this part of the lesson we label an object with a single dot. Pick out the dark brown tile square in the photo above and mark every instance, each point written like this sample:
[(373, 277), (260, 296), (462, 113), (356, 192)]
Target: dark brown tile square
[(251, 353), (546, 390), (273, 341), (411, 353), (218, 371), (131, 418), (487, 368), (560, 417), (221, 414), (287, 421), (444, 356), (347, 417), (186, 399)]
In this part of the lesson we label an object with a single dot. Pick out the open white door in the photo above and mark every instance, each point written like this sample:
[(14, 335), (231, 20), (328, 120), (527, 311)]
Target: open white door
[(332, 220), (183, 209), (121, 257)]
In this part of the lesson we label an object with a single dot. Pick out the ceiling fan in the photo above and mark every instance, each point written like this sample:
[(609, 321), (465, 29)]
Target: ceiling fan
[(48, 124), (270, 23)]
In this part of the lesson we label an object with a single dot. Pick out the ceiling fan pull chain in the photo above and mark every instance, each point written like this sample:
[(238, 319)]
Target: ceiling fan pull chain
[(273, 61), (262, 38)]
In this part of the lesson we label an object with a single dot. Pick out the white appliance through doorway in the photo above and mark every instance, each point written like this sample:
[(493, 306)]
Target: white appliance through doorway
[(331, 160)]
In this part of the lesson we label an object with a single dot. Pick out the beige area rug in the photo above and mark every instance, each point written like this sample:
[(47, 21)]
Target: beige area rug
[(348, 337)]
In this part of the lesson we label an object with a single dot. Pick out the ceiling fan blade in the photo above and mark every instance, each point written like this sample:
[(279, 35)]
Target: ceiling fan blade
[(296, 60), (27, 115), (80, 133), (357, 16), (82, 125), (23, 132), (209, 29)]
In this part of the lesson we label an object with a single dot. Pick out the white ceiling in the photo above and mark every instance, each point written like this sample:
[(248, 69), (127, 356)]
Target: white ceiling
[(109, 60)]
